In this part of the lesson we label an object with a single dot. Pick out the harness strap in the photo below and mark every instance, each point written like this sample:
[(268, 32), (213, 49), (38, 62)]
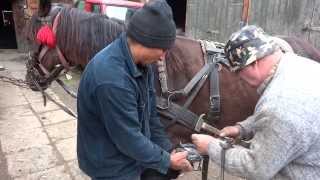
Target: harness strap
[(163, 76), (43, 51), (195, 92), (204, 71), (214, 108), (175, 112), (181, 114), (55, 23), (62, 58)]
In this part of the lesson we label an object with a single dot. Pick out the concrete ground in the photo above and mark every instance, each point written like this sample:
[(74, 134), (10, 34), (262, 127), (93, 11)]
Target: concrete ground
[(38, 142)]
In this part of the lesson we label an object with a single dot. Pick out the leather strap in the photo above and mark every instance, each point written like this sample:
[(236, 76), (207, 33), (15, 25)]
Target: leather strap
[(195, 92), (214, 108), (178, 113), (45, 49), (204, 71), (163, 76), (62, 59), (55, 23)]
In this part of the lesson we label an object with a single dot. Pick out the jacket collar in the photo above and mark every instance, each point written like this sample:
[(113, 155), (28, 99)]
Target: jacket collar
[(267, 81), (133, 69)]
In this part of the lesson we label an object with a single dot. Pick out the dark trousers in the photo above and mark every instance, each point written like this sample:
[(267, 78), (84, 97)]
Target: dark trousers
[(151, 174)]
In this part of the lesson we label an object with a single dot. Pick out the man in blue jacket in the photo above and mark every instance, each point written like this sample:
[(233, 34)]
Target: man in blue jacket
[(119, 133)]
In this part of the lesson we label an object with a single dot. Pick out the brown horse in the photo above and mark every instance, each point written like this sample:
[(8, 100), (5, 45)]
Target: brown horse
[(80, 35)]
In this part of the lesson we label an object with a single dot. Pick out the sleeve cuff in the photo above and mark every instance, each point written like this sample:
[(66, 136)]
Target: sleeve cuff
[(214, 151), (165, 163), (246, 124), (246, 130)]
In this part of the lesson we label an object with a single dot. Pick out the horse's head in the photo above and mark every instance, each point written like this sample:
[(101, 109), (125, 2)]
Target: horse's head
[(41, 66)]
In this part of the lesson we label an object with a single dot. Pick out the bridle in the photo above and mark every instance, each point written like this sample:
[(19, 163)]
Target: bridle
[(46, 77)]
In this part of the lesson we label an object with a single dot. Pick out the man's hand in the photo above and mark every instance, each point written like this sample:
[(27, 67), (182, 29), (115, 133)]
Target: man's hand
[(230, 131), (202, 142), (178, 161)]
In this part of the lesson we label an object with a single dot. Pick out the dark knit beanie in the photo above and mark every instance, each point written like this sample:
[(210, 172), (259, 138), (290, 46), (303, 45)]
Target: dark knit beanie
[(153, 25)]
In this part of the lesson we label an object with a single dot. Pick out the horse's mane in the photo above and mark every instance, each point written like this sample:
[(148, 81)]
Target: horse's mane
[(303, 48), (177, 55), (82, 33)]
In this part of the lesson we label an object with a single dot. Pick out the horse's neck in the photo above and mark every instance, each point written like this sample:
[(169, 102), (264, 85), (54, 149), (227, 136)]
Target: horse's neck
[(81, 35), (183, 61), (184, 53)]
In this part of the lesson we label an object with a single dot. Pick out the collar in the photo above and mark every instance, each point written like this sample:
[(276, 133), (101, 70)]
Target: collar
[(267, 81), (133, 68)]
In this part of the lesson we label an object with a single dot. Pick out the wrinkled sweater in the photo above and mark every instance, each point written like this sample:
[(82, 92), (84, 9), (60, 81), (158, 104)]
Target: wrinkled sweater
[(286, 127)]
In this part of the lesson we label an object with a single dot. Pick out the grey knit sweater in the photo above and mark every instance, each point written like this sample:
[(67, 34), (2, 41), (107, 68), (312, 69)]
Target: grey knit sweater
[(286, 127)]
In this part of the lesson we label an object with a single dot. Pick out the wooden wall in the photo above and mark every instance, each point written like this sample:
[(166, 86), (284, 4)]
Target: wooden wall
[(22, 10), (217, 19)]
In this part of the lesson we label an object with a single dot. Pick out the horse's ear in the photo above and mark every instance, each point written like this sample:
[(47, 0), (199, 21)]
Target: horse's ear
[(44, 7)]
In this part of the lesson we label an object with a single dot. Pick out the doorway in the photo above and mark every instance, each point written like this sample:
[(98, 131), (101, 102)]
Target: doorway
[(179, 9), (7, 32)]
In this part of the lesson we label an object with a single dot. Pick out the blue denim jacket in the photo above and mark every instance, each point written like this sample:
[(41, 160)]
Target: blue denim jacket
[(119, 132)]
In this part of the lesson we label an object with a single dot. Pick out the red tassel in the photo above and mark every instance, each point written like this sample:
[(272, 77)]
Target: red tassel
[(46, 36)]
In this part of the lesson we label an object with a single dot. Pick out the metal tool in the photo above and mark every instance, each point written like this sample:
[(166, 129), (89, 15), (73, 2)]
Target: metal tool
[(201, 125), (193, 156)]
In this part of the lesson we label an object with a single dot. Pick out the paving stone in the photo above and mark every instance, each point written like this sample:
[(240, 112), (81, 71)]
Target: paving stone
[(21, 124), (15, 113), (36, 96), (76, 172), (17, 118), (15, 63), (62, 130), (11, 96), (38, 107), (6, 101), (8, 89), (56, 173), (53, 117), (19, 74), (31, 160), (21, 140), (67, 148)]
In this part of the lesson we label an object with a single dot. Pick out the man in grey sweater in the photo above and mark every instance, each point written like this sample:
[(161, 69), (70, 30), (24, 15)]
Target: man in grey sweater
[(284, 130)]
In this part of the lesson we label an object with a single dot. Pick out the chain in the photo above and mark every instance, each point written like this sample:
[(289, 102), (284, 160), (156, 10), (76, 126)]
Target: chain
[(15, 81), (24, 84)]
